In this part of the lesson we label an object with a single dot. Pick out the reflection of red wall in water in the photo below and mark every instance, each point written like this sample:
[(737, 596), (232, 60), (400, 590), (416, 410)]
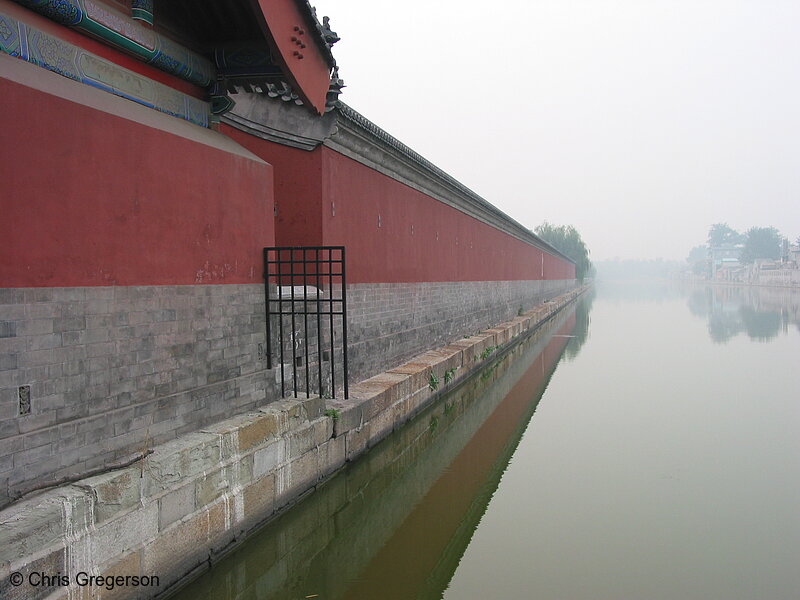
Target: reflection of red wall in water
[(410, 555)]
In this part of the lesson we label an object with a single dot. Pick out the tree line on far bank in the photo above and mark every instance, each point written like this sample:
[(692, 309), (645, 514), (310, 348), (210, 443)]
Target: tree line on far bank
[(756, 242), (567, 240)]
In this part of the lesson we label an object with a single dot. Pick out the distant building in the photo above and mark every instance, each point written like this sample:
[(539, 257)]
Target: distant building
[(793, 256), (724, 257)]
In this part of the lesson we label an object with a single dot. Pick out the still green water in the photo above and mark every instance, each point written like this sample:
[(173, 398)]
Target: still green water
[(642, 446)]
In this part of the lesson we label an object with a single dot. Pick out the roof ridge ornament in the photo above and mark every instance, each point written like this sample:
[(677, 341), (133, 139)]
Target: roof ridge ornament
[(328, 34)]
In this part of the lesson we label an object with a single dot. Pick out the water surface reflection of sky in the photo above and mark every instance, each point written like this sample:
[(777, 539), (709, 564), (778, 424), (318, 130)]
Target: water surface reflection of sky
[(660, 464)]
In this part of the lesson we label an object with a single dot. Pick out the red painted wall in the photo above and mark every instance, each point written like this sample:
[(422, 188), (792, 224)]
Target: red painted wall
[(298, 188), (418, 238), (89, 198), (325, 198)]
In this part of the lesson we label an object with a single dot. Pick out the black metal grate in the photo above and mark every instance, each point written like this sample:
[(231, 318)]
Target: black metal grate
[(306, 306)]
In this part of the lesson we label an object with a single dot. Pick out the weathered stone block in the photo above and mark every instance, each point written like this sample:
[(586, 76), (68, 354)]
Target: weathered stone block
[(467, 347), (183, 546), (356, 442), (350, 415), (405, 409), (221, 526), (241, 471), (121, 535), (126, 566), (269, 458), (228, 433), (418, 371), (263, 427), (259, 500), (313, 407), (301, 440), (177, 462), (512, 329), (69, 324), (114, 492), (35, 327), (481, 343), (501, 335), (446, 358), (32, 525), (245, 432), (50, 564), (212, 486), (8, 329), (323, 430), (282, 489), (420, 400), (380, 392), (303, 472), (176, 505), (331, 456), (289, 414), (453, 354)]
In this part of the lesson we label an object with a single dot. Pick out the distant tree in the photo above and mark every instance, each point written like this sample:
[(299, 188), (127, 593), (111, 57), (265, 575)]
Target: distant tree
[(761, 242), (702, 268), (698, 260), (696, 254), (720, 234), (567, 240)]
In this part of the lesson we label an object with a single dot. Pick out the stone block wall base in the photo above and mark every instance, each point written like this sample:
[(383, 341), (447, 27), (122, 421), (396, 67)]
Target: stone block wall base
[(177, 510)]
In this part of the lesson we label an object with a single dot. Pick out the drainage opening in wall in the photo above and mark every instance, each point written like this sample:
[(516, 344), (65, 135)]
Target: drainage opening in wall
[(24, 394)]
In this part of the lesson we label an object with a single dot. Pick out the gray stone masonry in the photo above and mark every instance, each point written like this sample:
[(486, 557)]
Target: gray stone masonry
[(90, 376), (113, 371), (390, 322), (180, 507)]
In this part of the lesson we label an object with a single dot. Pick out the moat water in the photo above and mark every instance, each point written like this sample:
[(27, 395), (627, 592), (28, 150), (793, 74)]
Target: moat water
[(643, 446)]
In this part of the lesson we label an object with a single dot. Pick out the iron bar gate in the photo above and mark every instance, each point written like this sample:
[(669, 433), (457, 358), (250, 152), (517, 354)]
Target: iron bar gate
[(302, 282)]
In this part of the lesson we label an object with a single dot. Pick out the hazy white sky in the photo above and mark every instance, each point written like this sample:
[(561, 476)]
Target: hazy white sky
[(640, 122)]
